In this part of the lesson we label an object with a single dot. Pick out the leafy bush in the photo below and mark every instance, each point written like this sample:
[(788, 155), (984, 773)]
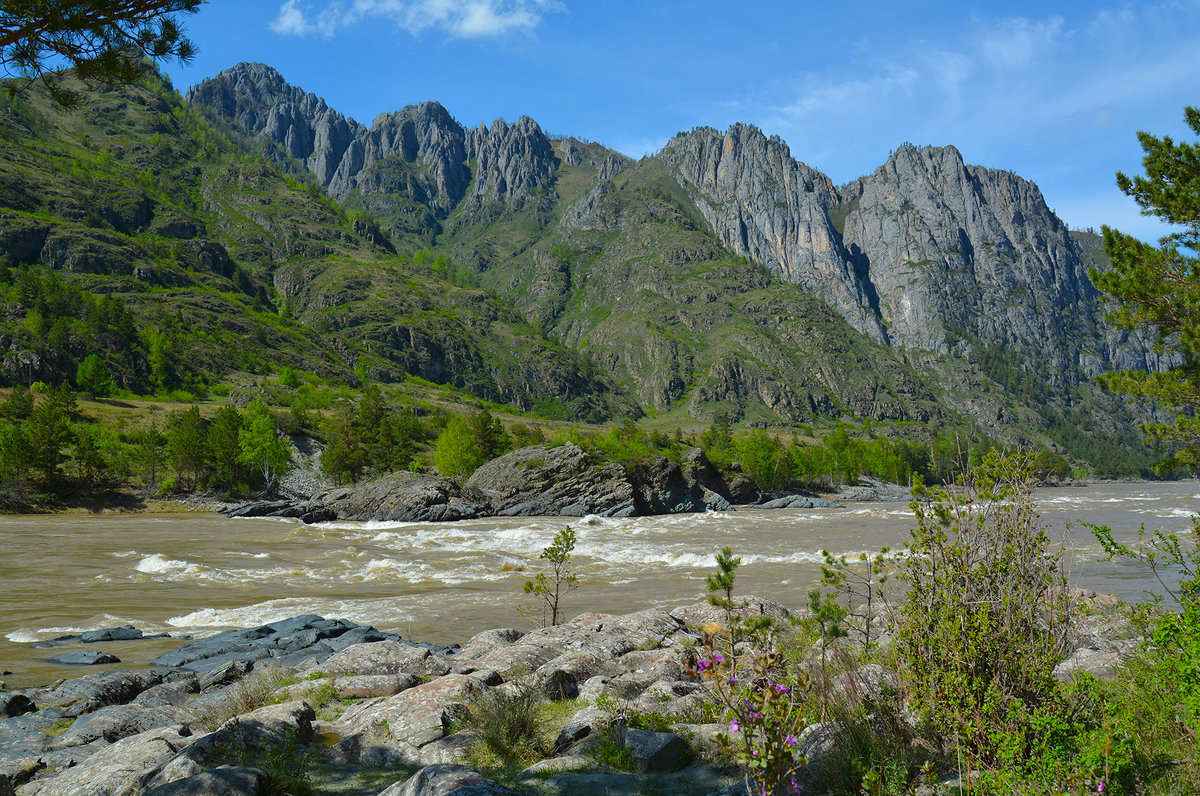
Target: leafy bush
[(983, 623)]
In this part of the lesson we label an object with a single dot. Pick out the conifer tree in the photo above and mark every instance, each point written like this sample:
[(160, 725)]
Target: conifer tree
[(104, 42), (1159, 287)]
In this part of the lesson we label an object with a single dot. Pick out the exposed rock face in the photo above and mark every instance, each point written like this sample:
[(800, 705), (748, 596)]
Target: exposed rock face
[(398, 497), (565, 480), (513, 159), (765, 205), (258, 100), (419, 154), (926, 253), (944, 261)]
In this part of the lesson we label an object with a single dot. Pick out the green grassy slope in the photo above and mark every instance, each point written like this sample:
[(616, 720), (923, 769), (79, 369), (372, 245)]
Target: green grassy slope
[(238, 267)]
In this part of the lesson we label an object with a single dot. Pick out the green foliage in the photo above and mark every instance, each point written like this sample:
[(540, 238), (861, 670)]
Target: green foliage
[(49, 431), (490, 438), (92, 376), (982, 625), (224, 449), (762, 698), (1158, 287), (509, 724), (102, 42), (370, 437), (456, 454), (186, 446), (261, 447), (549, 589), (826, 618)]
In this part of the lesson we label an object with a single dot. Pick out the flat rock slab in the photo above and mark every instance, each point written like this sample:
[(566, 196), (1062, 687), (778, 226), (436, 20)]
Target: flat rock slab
[(417, 716), (220, 781), (92, 691), (85, 658), (123, 633), (386, 657), (448, 780), (306, 638), (117, 770)]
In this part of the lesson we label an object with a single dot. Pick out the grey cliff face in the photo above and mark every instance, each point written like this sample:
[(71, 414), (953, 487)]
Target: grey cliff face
[(513, 160), (765, 205), (256, 98), (957, 250), (926, 253), (419, 153)]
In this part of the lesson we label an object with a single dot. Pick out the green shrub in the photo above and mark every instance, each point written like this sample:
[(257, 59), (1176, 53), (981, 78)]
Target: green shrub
[(509, 724), (983, 623)]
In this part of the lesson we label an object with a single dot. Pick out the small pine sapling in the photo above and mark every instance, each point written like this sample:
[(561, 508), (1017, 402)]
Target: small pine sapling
[(551, 588)]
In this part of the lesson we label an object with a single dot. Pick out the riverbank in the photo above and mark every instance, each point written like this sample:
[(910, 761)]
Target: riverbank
[(619, 705)]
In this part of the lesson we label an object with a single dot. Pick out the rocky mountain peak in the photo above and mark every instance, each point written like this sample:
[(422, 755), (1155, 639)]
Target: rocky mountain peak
[(512, 159), (765, 205)]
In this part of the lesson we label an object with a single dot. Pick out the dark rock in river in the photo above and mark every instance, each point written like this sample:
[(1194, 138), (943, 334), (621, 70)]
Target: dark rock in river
[(123, 633), (288, 642), (398, 497), (564, 480), (801, 502), (560, 481), (85, 658), (702, 475), (660, 488)]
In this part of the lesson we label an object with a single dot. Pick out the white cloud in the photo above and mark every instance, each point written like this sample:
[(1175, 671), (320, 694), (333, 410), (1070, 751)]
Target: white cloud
[(1012, 44), (294, 21), (467, 19)]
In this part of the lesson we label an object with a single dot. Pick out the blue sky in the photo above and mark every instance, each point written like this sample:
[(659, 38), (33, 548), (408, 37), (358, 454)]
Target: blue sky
[(1054, 91)]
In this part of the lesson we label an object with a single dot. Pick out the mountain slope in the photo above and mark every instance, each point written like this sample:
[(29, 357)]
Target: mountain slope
[(961, 287), (241, 268)]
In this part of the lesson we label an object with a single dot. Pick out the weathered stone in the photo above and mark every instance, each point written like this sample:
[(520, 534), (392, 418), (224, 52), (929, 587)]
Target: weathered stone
[(220, 781), (448, 780), (358, 686), (578, 727), (386, 657), (85, 658), (15, 705), (561, 480), (118, 770), (400, 497), (800, 502), (697, 615), (416, 716), (654, 751), (123, 633), (84, 694), (114, 722)]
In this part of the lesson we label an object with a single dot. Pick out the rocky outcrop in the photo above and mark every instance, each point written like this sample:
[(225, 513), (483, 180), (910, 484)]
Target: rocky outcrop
[(399, 497), (560, 481), (765, 205), (418, 154), (410, 707), (288, 642), (564, 481), (926, 253), (513, 159), (257, 100)]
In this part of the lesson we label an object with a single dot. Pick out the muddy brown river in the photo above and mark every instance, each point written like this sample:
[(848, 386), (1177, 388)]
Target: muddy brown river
[(195, 574)]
